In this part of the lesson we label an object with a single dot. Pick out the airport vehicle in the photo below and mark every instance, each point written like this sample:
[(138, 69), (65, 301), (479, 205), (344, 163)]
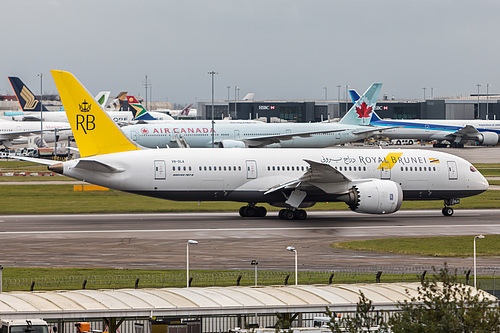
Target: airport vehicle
[(449, 133), (30, 105), (24, 326), (372, 181), (255, 134)]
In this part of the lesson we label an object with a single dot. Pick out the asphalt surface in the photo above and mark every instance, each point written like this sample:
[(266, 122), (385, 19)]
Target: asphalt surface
[(227, 241)]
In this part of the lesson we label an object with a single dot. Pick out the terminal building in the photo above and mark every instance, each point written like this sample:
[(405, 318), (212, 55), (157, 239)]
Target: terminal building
[(470, 107)]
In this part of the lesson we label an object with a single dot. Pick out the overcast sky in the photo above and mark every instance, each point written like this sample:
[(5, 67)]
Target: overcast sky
[(278, 49)]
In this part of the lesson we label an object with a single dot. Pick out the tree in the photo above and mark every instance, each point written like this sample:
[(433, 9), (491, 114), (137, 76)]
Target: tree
[(362, 321), (444, 305)]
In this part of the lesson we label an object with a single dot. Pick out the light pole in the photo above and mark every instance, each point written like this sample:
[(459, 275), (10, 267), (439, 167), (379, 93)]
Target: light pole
[(254, 263), (338, 97), (478, 114), (291, 248), (1, 279), (228, 105), (235, 101), (487, 100), (213, 133), (187, 260), (346, 93), (424, 89), (478, 236), (326, 93), (41, 75)]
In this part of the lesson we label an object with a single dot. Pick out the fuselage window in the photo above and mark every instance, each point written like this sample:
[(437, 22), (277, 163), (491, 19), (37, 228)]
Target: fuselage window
[(189, 168), (354, 168), (420, 168), (402, 169), (293, 168), (411, 168), (350, 168), (274, 168), (425, 168), (205, 168), (220, 168), (209, 168), (268, 168), (239, 168), (173, 168), (364, 168), (287, 168), (434, 168), (406, 168), (184, 168), (199, 168)]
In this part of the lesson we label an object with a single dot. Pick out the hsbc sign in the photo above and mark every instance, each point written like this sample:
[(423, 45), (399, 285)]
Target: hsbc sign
[(266, 107)]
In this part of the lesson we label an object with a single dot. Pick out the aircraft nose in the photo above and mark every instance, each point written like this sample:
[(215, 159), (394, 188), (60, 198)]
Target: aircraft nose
[(479, 182)]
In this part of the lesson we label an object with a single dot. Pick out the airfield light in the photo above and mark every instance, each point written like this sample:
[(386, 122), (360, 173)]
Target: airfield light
[(292, 249), (255, 263), (187, 260), (481, 237)]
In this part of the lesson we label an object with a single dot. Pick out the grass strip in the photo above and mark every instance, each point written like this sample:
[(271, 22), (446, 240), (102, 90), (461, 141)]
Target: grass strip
[(451, 246)]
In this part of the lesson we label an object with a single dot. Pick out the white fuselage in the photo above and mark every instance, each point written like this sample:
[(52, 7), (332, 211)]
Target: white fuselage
[(117, 116), (10, 130), (246, 174), (198, 133), (433, 129)]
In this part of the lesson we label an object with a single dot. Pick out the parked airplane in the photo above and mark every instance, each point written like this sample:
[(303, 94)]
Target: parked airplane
[(373, 181), (456, 132), (141, 114), (29, 102), (12, 130), (244, 133)]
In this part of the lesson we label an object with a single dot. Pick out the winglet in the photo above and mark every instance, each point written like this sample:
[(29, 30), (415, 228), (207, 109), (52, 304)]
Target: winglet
[(94, 131), (361, 112)]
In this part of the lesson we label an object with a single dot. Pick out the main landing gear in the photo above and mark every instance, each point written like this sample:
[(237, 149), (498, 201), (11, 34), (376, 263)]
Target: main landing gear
[(289, 214), (253, 211)]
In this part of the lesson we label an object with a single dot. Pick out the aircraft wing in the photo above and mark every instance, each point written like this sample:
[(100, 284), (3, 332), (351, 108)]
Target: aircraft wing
[(16, 134), (372, 129), (467, 132), (32, 159), (317, 172), (261, 141)]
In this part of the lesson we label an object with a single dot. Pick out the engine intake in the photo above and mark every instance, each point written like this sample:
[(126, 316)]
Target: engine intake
[(487, 138), (375, 197), (231, 144)]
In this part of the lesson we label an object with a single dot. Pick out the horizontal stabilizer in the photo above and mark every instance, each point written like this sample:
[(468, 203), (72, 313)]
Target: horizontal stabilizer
[(97, 166)]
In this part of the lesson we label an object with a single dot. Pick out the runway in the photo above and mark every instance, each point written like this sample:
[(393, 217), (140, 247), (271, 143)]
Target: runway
[(227, 241)]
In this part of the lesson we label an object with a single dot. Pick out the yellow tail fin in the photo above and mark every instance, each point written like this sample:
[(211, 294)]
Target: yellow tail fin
[(94, 131)]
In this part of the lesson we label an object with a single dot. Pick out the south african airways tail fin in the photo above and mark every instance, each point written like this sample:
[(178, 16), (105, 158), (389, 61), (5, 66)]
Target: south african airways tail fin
[(94, 131), (361, 112), (138, 110), (28, 101)]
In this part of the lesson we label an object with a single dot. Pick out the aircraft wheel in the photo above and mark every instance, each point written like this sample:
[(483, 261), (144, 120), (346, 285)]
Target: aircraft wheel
[(282, 214), (242, 211), (398, 142), (289, 214), (301, 214), (410, 142), (447, 211), (250, 212), (261, 211)]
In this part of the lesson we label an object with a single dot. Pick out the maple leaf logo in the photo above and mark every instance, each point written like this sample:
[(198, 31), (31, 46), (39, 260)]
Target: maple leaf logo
[(144, 131), (364, 111)]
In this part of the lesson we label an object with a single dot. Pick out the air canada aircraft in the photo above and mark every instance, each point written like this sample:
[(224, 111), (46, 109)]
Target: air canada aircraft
[(372, 181), (456, 132), (255, 134)]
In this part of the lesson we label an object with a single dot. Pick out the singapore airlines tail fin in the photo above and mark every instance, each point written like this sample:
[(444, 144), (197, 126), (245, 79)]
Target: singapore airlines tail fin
[(94, 131), (361, 112), (27, 100)]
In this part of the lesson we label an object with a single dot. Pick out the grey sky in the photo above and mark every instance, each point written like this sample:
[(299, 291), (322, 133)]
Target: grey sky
[(278, 49)]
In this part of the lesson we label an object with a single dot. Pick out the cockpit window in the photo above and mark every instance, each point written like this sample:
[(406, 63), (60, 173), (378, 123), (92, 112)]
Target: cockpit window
[(473, 169)]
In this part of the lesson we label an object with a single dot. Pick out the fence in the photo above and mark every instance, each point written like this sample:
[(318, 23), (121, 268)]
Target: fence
[(486, 280)]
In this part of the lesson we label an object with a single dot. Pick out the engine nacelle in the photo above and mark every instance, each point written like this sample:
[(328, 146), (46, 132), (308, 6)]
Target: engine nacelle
[(375, 197), (487, 138), (231, 144)]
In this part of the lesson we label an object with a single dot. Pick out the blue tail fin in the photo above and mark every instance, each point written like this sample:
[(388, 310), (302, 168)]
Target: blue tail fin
[(361, 112), (26, 98), (354, 95)]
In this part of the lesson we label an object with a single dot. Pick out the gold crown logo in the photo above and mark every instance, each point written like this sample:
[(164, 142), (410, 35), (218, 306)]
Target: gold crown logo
[(85, 107)]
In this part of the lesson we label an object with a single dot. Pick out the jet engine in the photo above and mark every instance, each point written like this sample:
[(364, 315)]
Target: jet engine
[(375, 197), (231, 144), (487, 138)]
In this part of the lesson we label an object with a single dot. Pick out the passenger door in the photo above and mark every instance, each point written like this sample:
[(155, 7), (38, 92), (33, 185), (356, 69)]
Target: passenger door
[(251, 169), (452, 170), (160, 170)]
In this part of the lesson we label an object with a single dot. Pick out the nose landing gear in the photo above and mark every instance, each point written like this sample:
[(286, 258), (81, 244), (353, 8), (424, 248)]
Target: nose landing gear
[(447, 210)]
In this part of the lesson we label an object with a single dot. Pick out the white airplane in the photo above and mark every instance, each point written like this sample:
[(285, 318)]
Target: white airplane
[(456, 132), (244, 133), (369, 181), (11, 131)]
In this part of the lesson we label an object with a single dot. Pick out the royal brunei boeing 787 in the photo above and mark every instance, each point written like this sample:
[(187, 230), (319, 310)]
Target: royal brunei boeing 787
[(373, 181)]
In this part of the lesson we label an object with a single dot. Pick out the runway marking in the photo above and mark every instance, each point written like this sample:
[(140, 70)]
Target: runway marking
[(242, 229)]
